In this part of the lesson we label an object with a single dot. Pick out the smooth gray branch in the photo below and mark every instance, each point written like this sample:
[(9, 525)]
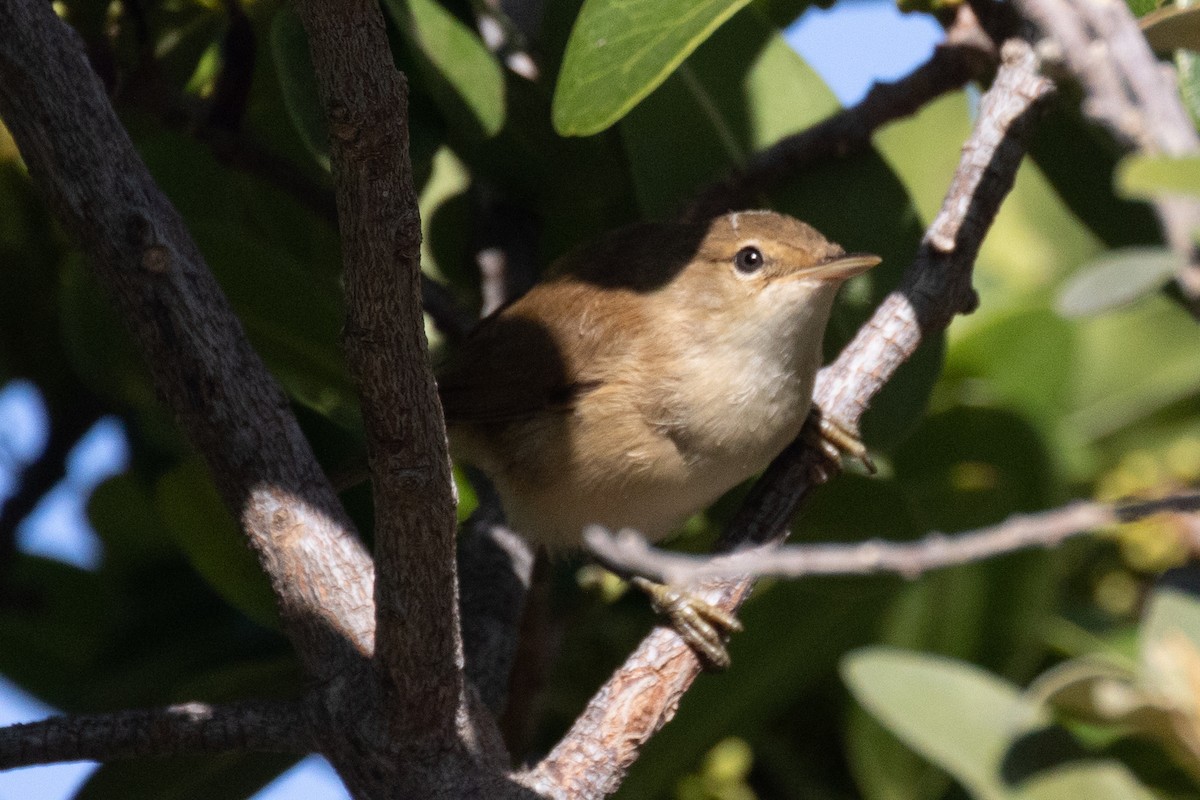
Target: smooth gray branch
[(642, 695), (628, 552), (185, 729)]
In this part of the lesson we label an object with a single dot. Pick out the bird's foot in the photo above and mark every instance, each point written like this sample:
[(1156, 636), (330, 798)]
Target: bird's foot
[(834, 440), (698, 622)]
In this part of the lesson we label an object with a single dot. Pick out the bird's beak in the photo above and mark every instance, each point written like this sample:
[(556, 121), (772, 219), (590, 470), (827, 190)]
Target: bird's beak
[(843, 267)]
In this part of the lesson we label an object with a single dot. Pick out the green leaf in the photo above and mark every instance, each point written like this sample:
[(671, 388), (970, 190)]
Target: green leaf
[(1187, 64), (276, 262), (54, 625), (620, 50), (1170, 642), (1101, 692), (1149, 176), (293, 62), (1116, 279), (709, 116), (783, 13), (291, 311), (464, 79), (1098, 779), (277, 678), (1171, 610), (886, 769), (1071, 686), (195, 31), (1014, 359), (1078, 160), (1130, 365), (1170, 29), (96, 341), (197, 519), (961, 469), (123, 515), (956, 715), (1141, 7)]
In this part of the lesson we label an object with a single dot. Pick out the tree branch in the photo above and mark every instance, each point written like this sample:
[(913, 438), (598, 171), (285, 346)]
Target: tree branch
[(1130, 93), (643, 694), (628, 552), (186, 729), (496, 567), (417, 636), (81, 158), (966, 54)]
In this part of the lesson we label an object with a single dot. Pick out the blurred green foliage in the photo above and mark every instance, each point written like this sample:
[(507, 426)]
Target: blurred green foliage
[(1017, 408)]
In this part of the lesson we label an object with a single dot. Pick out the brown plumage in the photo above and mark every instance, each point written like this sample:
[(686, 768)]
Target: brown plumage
[(648, 374)]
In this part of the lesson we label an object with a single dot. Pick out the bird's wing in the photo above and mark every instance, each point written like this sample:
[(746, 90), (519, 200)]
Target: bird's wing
[(512, 366)]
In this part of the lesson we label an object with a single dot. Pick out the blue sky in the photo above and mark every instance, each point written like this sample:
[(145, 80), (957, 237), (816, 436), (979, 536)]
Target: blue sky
[(850, 45)]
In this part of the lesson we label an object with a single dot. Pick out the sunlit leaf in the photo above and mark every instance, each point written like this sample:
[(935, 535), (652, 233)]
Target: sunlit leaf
[(1116, 279), (1172, 618), (1099, 691), (1187, 64), (712, 114), (954, 714), (1150, 176), (1098, 779), (1141, 7), (1132, 364), (620, 50)]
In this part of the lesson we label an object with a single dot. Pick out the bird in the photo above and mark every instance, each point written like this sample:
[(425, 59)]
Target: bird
[(647, 373)]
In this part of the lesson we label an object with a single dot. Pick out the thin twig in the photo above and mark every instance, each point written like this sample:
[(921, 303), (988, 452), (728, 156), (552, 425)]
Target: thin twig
[(966, 54), (628, 552), (591, 760), (190, 728), (1132, 94)]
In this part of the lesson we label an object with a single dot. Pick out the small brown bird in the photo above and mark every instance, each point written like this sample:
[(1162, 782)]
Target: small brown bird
[(648, 374)]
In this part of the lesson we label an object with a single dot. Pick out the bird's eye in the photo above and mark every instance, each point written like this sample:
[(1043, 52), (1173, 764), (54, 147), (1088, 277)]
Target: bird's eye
[(748, 259)]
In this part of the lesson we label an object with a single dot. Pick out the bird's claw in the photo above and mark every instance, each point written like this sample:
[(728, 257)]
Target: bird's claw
[(698, 622), (834, 440)]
